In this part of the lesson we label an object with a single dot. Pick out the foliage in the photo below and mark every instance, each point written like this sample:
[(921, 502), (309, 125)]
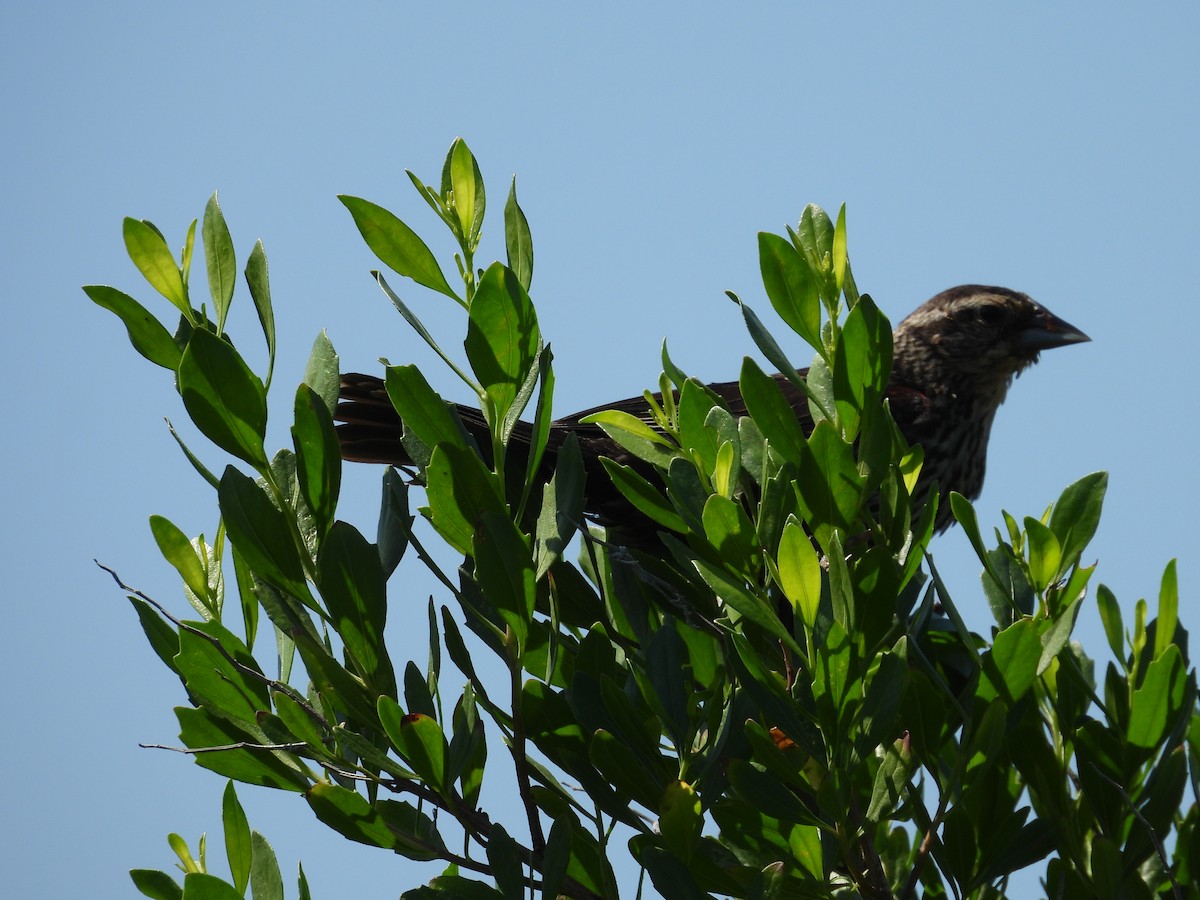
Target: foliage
[(779, 701)]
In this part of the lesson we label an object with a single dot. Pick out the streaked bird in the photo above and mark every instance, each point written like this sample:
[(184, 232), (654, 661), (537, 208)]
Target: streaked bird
[(954, 359)]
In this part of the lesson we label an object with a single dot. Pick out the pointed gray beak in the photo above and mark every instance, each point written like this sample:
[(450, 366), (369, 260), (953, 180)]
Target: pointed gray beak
[(1049, 331)]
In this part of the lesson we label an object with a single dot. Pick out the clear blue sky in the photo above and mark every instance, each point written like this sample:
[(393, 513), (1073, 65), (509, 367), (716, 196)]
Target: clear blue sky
[(1050, 148)]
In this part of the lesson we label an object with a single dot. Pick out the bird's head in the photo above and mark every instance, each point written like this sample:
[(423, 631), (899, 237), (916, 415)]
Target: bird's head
[(975, 337)]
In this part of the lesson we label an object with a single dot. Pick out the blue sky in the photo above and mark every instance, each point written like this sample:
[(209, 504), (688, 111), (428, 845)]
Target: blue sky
[(1048, 148)]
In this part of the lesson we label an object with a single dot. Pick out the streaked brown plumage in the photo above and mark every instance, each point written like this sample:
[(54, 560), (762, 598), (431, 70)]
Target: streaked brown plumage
[(953, 360)]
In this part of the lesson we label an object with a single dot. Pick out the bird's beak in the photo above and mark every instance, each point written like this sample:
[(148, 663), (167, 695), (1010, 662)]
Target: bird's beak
[(1049, 331)]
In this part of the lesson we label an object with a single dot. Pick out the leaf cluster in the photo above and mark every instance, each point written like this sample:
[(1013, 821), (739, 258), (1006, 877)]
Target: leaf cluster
[(779, 699)]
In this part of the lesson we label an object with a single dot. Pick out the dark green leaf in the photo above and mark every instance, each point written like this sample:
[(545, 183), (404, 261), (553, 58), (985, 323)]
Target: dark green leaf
[(213, 679), (502, 336), (260, 291), (1012, 663), (517, 239), (202, 886), (395, 521), (424, 413), (352, 585), (505, 859), (562, 507), (419, 741), (638, 491), (771, 412), (155, 884), (790, 287), (460, 491), (224, 398), (218, 259), (162, 637), (237, 834), (318, 457), (198, 728), (1077, 514), (146, 333), (504, 570), (261, 534)]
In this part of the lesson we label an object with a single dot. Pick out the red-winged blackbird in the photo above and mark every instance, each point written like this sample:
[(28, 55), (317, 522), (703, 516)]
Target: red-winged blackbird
[(953, 360)]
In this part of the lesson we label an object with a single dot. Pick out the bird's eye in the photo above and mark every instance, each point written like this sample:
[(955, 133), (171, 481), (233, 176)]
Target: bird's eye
[(990, 314)]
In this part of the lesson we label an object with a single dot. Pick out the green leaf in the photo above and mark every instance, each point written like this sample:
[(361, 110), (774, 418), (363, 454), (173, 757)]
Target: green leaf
[(768, 795), (418, 739), (202, 886), (260, 292), (891, 779), (839, 250), (218, 259), (395, 522), (562, 507), (216, 682), (467, 183), (502, 336), (800, 572), (223, 397), (505, 859), (153, 259), (321, 371), (397, 245), (155, 884), (828, 483), (771, 412), (352, 816), (862, 363), (557, 857), (261, 533), (517, 240), (198, 728), (318, 456), (1045, 554), (644, 496), (1012, 664), (634, 435), (680, 820), (729, 529), (177, 549), (790, 287), (146, 333), (460, 490), (815, 238), (1110, 617), (164, 639), (237, 838), (1159, 694), (352, 585), (504, 570), (625, 770), (1168, 611), (737, 598), (423, 412), (266, 881), (1076, 516)]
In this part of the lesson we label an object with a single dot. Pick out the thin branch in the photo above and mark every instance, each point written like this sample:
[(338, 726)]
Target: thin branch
[(1158, 845), (249, 672)]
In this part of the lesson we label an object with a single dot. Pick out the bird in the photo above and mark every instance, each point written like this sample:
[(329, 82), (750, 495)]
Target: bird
[(954, 359)]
